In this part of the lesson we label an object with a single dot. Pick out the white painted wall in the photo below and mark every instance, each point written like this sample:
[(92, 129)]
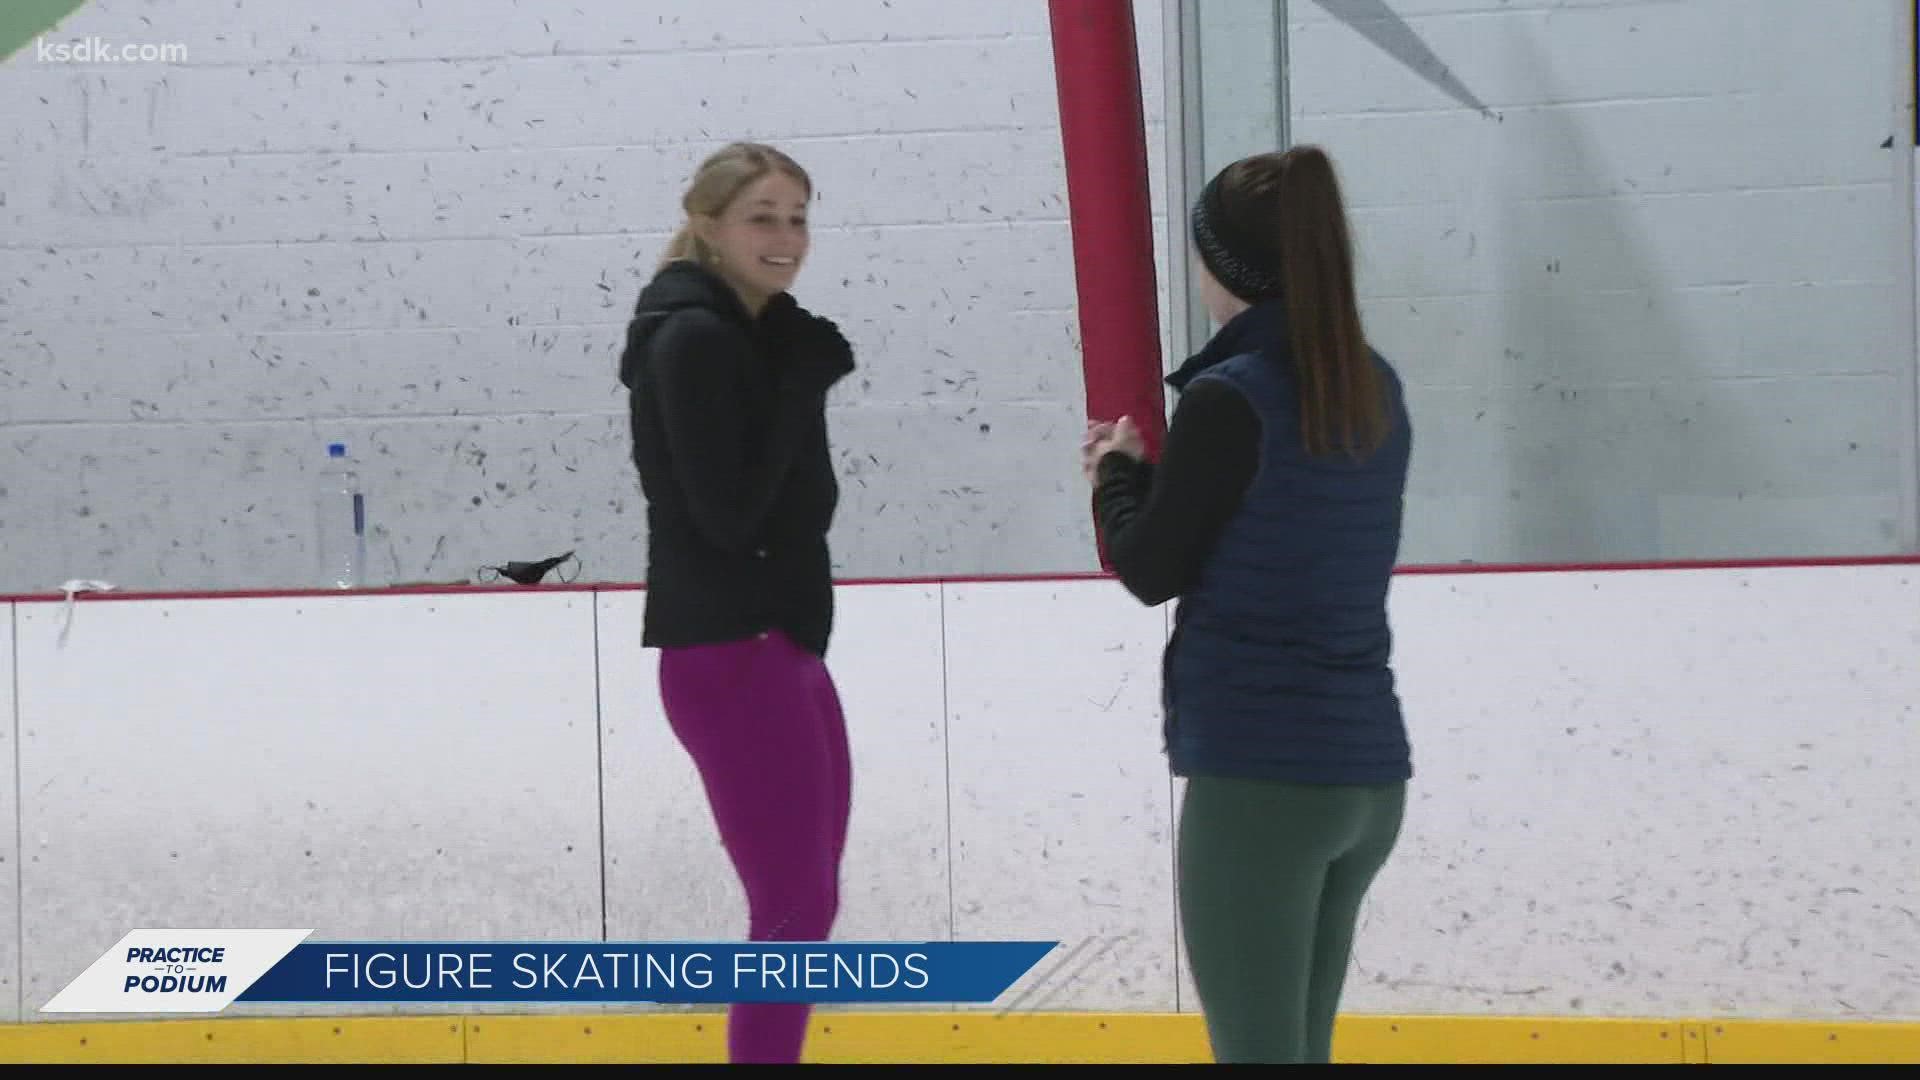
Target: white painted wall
[(1662, 306), (1668, 793), (421, 226)]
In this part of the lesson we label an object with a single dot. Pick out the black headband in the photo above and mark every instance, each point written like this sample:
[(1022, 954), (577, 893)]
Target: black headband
[(1247, 270)]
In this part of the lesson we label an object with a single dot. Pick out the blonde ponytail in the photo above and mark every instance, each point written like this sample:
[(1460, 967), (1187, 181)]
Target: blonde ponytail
[(684, 245)]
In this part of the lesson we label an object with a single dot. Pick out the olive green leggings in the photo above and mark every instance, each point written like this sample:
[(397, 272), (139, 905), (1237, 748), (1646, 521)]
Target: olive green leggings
[(1271, 880)]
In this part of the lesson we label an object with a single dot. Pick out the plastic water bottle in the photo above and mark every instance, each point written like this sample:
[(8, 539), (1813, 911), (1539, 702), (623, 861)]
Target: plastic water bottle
[(343, 522)]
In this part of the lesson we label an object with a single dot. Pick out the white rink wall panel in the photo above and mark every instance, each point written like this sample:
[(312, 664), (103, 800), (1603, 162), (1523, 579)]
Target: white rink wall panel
[(9, 829), (1060, 795), (418, 768), (1664, 793), (668, 878), (1656, 793), (886, 660)]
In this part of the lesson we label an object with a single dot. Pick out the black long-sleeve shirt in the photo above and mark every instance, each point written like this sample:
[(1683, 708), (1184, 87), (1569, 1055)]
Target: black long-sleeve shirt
[(1159, 521)]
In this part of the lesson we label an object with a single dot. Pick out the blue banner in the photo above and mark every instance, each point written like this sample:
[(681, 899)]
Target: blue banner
[(601, 972)]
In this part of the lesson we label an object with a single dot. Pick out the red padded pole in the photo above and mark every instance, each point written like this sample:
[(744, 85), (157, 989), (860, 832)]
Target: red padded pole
[(1103, 136)]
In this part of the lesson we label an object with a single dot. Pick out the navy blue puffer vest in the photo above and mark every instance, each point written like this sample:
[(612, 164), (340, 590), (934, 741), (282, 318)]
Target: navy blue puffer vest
[(1279, 667)]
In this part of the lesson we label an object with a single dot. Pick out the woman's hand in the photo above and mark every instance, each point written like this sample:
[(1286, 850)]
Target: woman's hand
[(1097, 433), (1103, 438), (1124, 439)]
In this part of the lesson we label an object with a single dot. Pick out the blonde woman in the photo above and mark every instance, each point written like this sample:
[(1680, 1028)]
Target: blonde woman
[(728, 379)]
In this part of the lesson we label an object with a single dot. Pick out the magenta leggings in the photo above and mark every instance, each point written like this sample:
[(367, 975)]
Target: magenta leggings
[(762, 721)]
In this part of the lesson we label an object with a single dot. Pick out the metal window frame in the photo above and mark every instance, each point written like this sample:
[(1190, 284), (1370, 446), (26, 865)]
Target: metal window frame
[(1185, 137)]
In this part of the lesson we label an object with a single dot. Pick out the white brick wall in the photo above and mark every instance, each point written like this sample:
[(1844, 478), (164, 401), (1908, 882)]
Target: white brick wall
[(1659, 308), (420, 227)]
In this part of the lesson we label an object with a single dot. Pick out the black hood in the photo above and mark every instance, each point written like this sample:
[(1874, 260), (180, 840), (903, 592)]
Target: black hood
[(678, 286)]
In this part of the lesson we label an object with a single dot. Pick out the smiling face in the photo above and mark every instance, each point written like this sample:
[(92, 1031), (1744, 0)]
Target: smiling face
[(760, 239)]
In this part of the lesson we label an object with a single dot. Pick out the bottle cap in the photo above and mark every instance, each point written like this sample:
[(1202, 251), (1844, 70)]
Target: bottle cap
[(336, 449)]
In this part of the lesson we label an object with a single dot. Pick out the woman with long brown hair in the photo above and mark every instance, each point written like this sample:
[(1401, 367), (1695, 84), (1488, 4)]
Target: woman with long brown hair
[(1274, 516)]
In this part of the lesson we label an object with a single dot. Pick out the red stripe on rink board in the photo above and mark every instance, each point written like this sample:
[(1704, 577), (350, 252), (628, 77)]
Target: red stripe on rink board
[(1674, 564), (967, 579)]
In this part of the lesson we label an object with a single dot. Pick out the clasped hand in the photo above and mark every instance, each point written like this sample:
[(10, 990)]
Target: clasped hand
[(1104, 437)]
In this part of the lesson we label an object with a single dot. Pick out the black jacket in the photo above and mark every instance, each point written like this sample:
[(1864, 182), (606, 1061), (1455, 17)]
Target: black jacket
[(730, 440)]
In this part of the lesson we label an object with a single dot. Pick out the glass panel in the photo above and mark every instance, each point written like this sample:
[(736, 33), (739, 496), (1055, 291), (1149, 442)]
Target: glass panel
[(1646, 268)]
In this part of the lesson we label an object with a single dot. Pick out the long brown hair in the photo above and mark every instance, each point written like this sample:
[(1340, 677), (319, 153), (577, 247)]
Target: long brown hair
[(1293, 200), (720, 179)]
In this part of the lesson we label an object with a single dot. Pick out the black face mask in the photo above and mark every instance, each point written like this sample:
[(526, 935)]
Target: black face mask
[(529, 573)]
